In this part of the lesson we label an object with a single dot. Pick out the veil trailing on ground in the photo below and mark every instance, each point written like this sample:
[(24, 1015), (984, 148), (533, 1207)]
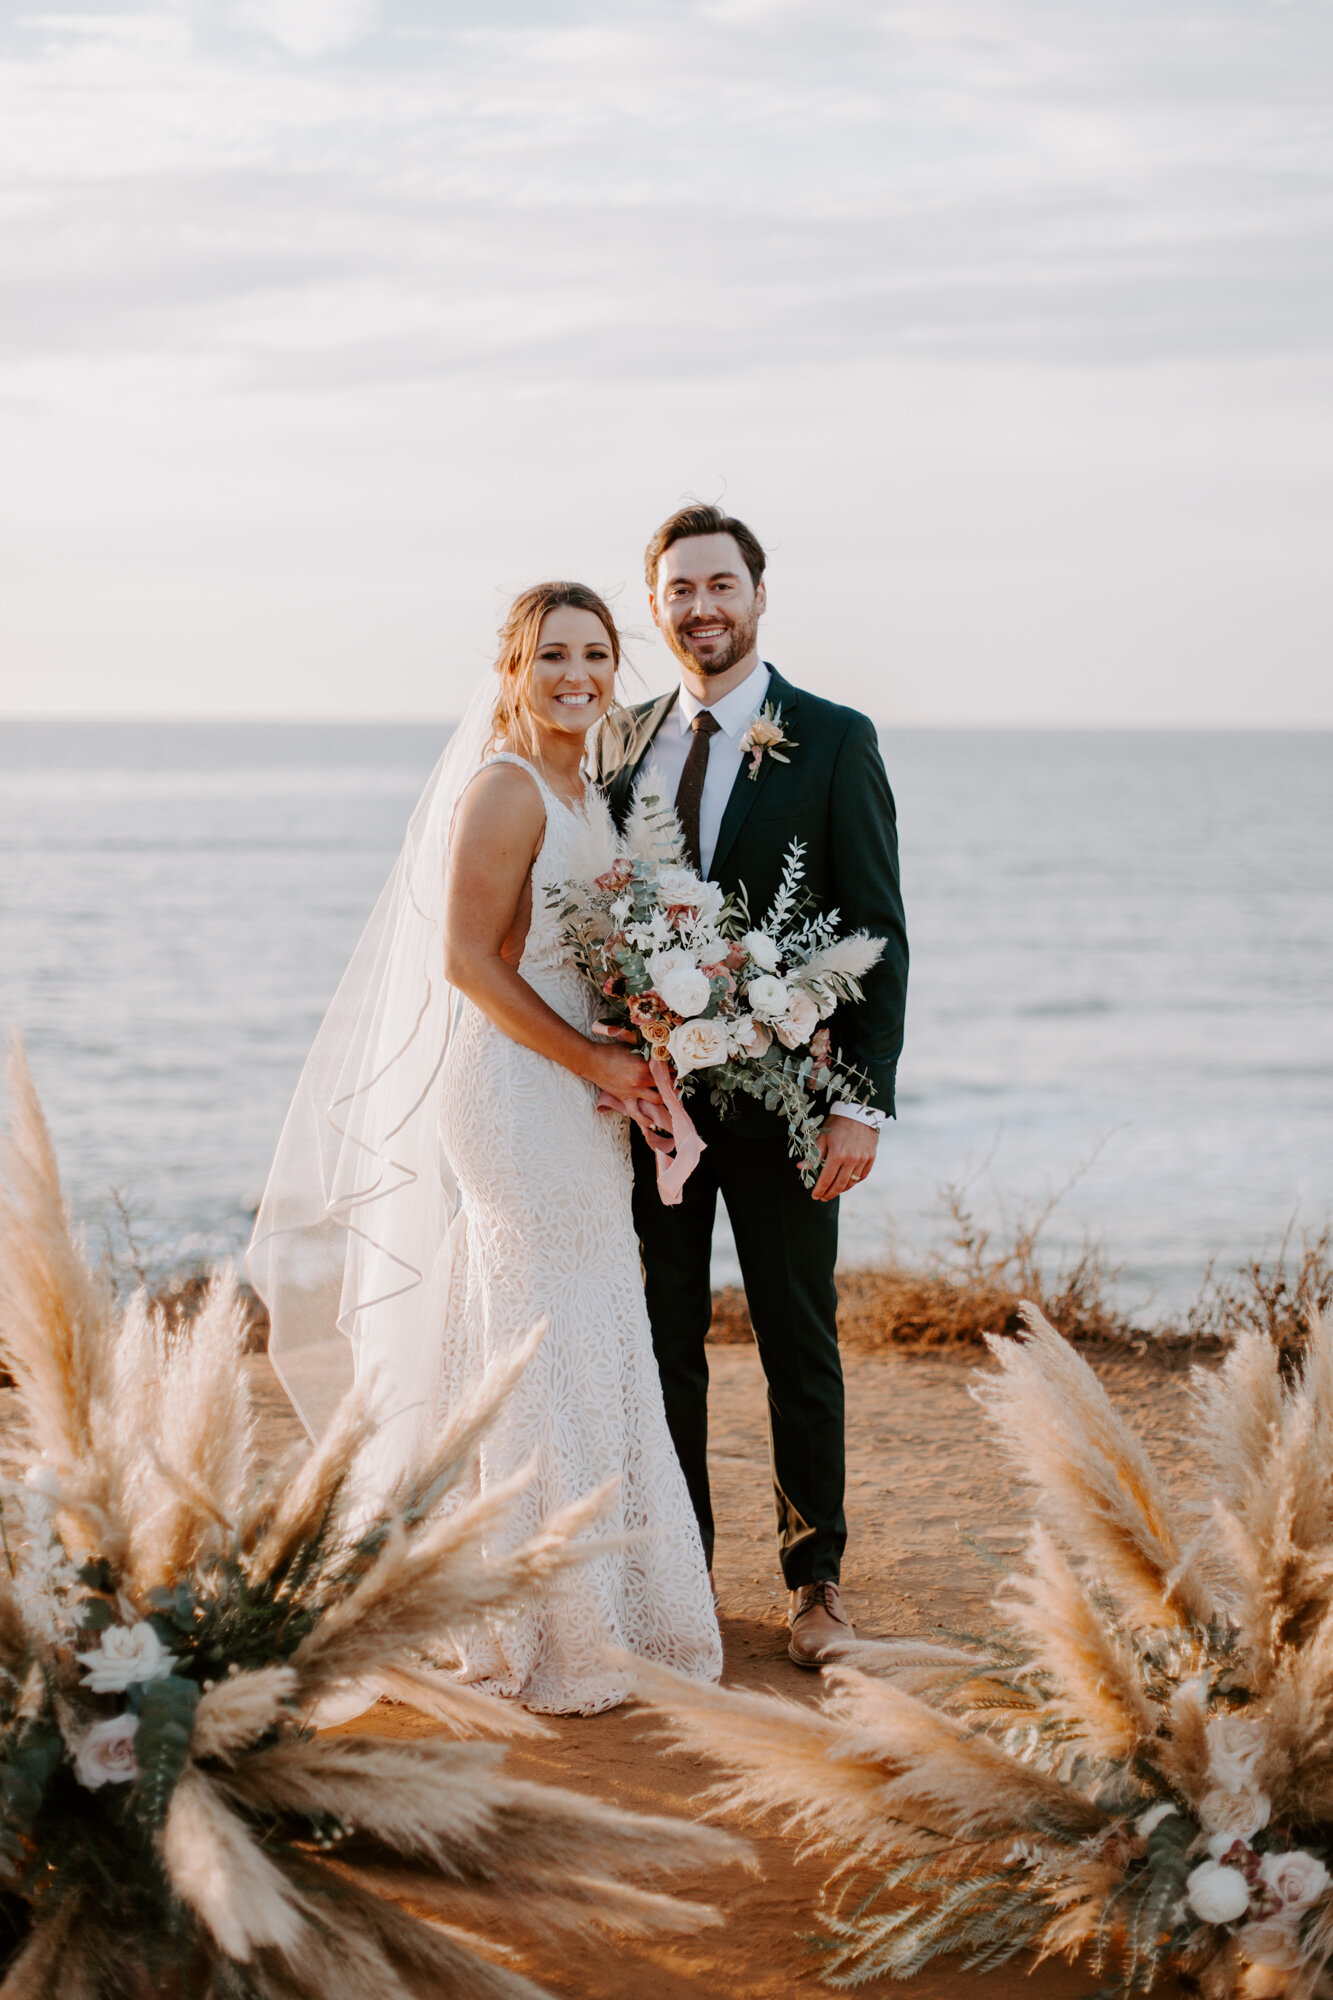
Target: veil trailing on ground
[(351, 1247)]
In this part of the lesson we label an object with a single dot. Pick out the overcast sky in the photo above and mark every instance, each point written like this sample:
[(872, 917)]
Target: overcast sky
[(1008, 325)]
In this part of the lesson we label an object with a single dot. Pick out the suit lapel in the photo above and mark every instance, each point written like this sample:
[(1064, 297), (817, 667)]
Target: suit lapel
[(746, 789), (621, 785)]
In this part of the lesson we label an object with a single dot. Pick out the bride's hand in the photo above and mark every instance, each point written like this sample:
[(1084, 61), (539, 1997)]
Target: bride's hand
[(624, 1073)]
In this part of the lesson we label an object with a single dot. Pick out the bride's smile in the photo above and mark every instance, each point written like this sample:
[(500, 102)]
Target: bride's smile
[(573, 674)]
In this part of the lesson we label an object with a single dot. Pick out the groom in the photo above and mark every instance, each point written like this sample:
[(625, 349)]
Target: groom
[(705, 575)]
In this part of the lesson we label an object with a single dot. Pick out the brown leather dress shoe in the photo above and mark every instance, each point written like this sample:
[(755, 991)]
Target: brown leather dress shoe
[(819, 1626)]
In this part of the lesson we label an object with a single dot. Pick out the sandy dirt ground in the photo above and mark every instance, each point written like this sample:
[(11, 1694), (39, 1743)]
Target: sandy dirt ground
[(925, 1484)]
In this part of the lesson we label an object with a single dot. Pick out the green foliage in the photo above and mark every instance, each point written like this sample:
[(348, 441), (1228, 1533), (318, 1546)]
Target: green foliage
[(166, 1717)]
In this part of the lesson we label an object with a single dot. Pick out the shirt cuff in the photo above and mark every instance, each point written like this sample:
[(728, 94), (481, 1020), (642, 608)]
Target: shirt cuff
[(864, 1114)]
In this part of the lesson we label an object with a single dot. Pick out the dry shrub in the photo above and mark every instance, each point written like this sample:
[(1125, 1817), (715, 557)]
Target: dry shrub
[(975, 1288), (971, 1289), (1271, 1298)]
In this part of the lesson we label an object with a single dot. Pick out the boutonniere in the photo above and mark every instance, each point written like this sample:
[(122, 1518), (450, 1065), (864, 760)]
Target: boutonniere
[(766, 733)]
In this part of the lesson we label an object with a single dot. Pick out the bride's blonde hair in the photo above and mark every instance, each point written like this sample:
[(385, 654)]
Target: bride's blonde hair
[(517, 657)]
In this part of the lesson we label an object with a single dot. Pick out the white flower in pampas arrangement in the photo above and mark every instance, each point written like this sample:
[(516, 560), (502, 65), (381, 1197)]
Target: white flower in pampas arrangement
[(126, 1653), (1229, 1816), (1235, 1746), (1138, 1767), (169, 1819), (1219, 1895)]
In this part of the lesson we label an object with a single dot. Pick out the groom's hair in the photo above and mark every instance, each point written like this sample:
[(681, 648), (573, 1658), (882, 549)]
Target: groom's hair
[(701, 520)]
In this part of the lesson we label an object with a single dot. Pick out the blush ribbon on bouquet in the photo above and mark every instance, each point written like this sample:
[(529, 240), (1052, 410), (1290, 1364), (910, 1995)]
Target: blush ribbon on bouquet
[(679, 1148)]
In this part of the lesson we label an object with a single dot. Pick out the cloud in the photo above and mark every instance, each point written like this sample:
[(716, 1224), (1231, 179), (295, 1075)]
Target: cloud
[(308, 27), (294, 295), (636, 185)]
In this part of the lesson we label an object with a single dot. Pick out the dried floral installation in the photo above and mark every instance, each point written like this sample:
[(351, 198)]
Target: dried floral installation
[(170, 1823), (1139, 1765)]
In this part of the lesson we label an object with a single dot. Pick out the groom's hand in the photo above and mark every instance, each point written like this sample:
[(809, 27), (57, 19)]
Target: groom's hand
[(849, 1147)]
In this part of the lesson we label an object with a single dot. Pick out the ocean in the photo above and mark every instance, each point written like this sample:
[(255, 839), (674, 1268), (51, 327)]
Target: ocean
[(1121, 982)]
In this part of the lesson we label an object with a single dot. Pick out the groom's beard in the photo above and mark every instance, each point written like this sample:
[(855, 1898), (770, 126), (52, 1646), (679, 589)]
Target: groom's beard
[(742, 634)]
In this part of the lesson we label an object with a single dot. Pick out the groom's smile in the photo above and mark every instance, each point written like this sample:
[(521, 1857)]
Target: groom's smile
[(702, 637)]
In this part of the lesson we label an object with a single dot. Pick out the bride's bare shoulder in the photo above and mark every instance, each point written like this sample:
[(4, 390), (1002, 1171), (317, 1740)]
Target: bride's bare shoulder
[(503, 802)]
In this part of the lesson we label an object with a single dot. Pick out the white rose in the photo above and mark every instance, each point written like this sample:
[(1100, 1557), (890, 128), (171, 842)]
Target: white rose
[(676, 977), (762, 950), (768, 997), (1149, 1821), (801, 1022), (697, 1045), (748, 1036), (127, 1653), (1274, 1943), (106, 1754), (1235, 1746), (1217, 1895), (1236, 1814), (679, 885), (1295, 1879)]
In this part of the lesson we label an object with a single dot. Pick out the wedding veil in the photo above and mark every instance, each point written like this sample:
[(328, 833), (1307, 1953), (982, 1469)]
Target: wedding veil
[(350, 1251)]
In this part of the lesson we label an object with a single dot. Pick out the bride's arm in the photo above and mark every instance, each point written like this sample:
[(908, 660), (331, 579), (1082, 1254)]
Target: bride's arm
[(496, 838)]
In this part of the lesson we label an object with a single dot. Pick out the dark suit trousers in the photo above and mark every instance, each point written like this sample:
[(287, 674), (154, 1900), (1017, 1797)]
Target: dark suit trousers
[(787, 1245)]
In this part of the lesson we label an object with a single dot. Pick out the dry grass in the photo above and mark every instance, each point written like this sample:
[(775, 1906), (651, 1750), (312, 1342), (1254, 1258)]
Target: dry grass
[(975, 1288)]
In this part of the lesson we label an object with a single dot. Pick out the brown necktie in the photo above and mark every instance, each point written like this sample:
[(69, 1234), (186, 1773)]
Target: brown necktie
[(690, 791)]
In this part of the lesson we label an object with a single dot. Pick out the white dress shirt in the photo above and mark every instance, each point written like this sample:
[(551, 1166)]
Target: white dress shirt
[(671, 746), (666, 763)]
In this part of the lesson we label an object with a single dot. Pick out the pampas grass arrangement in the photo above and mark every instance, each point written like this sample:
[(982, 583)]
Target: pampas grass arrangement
[(1139, 1765), (170, 1822)]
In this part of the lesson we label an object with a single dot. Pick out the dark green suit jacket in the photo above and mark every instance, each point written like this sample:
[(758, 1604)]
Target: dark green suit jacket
[(833, 795)]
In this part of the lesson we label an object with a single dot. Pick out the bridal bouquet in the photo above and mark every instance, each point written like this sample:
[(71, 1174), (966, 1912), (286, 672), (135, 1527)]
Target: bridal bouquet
[(170, 1621), (1140, 1767), (682, 971)]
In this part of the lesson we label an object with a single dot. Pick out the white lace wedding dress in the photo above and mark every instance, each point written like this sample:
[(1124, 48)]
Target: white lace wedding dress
[(546, 1229)]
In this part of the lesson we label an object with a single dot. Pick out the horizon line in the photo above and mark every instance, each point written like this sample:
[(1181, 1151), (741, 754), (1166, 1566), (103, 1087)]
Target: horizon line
[(423, 721)]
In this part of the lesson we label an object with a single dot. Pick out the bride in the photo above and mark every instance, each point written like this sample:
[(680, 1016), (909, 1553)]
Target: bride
[(443, 1179)]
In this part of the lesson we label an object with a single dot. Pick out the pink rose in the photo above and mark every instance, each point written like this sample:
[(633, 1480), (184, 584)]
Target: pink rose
[(748, 1036), (106, 1754), (802, 1019), (1296, 1879)]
